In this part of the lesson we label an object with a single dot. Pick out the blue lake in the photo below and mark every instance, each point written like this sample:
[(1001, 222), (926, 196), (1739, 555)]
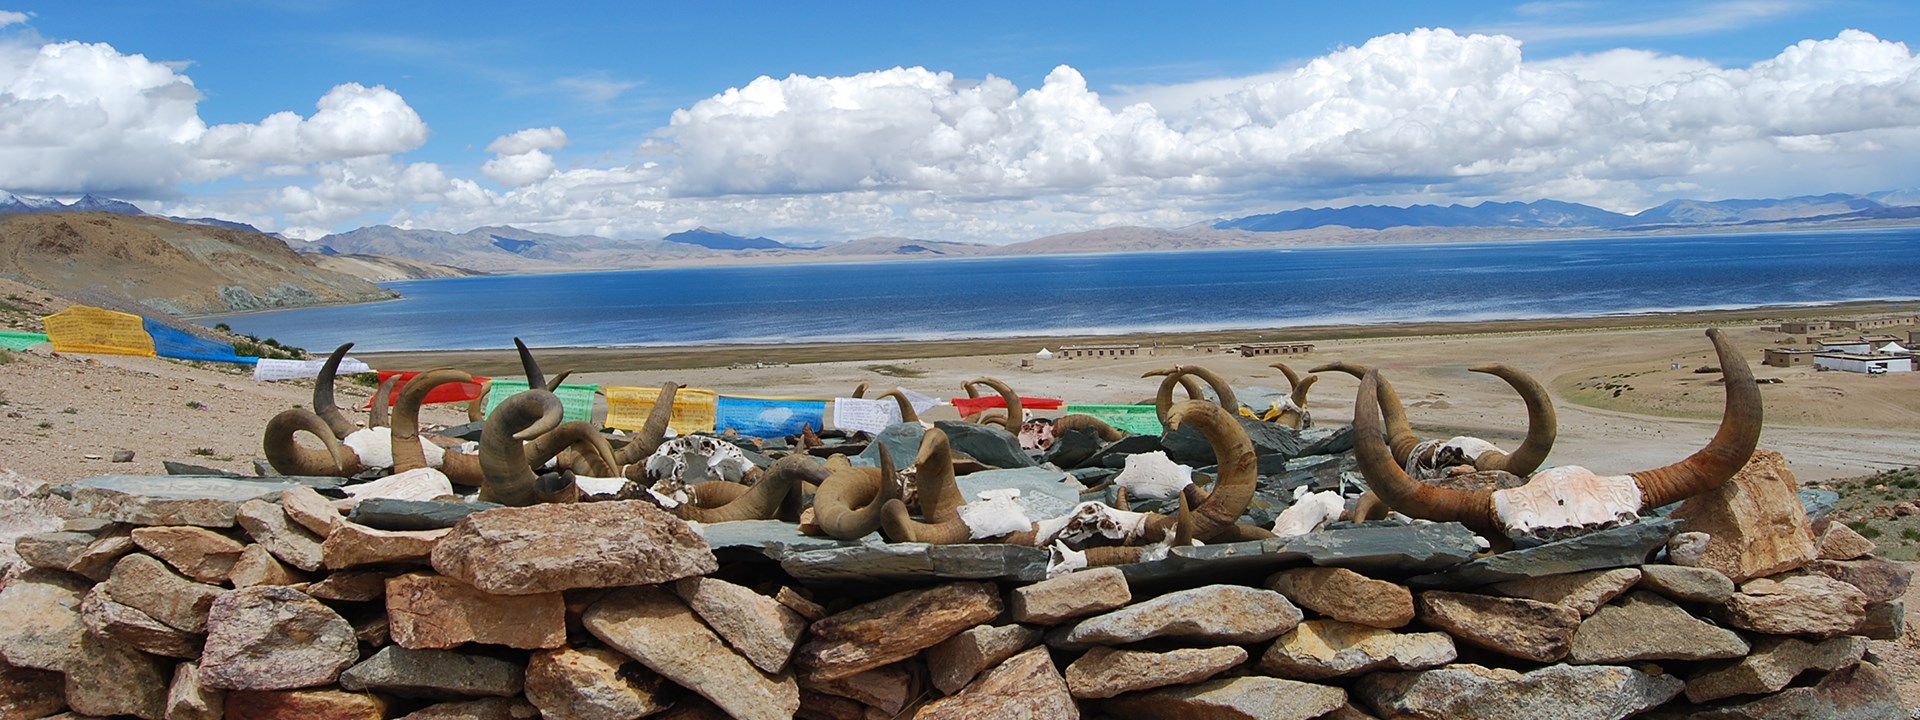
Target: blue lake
[(1116, 293)]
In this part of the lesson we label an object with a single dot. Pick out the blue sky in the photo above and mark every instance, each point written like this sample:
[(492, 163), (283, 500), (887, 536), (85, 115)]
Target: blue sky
[(988, 122)]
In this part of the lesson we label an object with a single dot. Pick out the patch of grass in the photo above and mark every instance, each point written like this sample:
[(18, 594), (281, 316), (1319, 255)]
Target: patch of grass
[(196, 405), (69, 411), (6, 356), (44, 425), (1865, 529), (1910, 534), (895, 371)]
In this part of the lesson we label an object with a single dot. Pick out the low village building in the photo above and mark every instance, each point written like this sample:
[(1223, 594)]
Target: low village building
[(1788, 357), (1863, 363), (1274, 348), (1805, 327), (1097, 351), (1884, 321)]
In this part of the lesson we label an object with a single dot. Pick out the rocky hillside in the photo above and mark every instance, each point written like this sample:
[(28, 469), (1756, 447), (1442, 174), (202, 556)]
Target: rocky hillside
[(378, 268), (135, 263)]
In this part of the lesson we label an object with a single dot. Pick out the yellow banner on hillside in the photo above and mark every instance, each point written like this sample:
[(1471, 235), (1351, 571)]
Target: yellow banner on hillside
[(693, 410), (85, 329)]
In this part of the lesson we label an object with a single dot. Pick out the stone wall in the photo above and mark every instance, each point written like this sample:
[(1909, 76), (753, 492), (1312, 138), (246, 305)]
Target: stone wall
[(266, 601)]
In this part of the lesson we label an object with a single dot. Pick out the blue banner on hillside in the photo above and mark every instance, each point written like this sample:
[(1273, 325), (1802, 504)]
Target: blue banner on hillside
[(768, 417), (169, 342)]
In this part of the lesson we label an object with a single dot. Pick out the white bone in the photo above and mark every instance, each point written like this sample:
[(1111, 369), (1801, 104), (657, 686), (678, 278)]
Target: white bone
[(1567, 498), (1153, 475), (418, 484), (995, 514), (1063, 560), (1309, 513), (599, 485), (375, 447)]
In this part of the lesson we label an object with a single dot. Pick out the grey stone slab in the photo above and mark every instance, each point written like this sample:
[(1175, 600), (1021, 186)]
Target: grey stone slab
[(1114, 455), (1044, 493), (762, 534), (391, 514), (907, 561), (1388, 548), (987, 443), (1623, 546)]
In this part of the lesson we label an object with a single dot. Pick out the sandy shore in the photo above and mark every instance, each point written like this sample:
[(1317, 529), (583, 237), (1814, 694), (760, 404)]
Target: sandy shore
[(1829, 424)]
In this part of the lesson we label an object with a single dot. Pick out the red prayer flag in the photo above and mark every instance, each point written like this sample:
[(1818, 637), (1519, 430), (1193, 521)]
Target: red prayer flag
[(450, 392), (969, 406)]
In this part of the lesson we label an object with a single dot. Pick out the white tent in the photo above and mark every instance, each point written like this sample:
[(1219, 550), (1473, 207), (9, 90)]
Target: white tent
[(1044, 354), (1892, 348)]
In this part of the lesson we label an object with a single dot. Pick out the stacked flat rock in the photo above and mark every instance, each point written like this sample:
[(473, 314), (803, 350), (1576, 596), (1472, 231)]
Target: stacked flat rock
[(239, 605)]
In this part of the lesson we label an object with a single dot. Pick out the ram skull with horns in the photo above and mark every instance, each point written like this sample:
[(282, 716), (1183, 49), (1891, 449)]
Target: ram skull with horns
[(1430, 459), (1568, 500)]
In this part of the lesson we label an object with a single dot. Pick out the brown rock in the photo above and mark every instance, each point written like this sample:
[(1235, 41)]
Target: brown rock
[(1252, 698), (1837, 541), (1797, 605), (1321, 649), (136, 629), (1884, 621), (1025, 686), (187, 699), (1881, 580), (427, 611), (269, 526), (654, 627), (97, 560), (137, 509), (545, 548), (894, 628), (1755, 523), (196, 552), (1106, 672), (758, 626), (1522, 628), (435, 674), (323, 704), (955, 661), (1775, 661), (1076, 594), (30, 693), (352, 585), (148, 585), (51, 550), (800, 603), (310, 510), (1555, 691), (1645, 626), (1211, 614), (1861, 692), (482, 709), (256, 566), (274, 638), (108, 677), (1345, 595), (353, 545), (1690, 584), (594, 684), (888, 688), (40, 625), (1585, 592)]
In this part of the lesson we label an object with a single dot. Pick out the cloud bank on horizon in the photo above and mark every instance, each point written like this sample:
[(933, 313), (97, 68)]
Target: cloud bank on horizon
[(1427, 115)]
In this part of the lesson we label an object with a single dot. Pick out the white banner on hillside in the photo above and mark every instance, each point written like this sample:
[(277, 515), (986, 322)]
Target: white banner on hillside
[(270, 369)]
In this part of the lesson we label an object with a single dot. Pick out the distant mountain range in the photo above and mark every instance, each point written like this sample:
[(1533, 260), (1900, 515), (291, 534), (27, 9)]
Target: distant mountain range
[(506, 249)]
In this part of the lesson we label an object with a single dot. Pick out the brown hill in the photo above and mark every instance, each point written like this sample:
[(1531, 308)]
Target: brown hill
[(145, 263), (379, 268)]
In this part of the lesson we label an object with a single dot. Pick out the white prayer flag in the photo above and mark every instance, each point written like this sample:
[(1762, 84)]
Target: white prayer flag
[(269, 369)]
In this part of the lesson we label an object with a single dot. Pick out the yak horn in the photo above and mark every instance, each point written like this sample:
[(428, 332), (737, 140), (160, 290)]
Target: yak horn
[(592, 454), (1297, 384), (382, 403), (654, 431), (323, 402), (536, 380), (939, 496), (848, 504), (1187, 383), (1729, 450), (476, 408), (763, 500), (508, 479), (1163, 399), (405, 431), (1542, 424), (554, 384), (1400, 435), (860, 391), (1081, 421), (1389, 480), (906, 406), (289, 458), (1015, 416), (1237, 470)]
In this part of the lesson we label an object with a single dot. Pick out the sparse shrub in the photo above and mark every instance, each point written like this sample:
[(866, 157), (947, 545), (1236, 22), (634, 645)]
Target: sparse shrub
[(70, 411), (202, 452), (6, 356), (1866, 531), (222, 327), (44, 425), (1910, 534), (196, 405)]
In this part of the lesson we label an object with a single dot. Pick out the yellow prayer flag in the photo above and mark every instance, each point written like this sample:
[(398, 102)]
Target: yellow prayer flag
[(85, 329), (693, 410)]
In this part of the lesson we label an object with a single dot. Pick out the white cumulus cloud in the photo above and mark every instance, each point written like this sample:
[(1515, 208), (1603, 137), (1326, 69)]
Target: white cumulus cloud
[(351, 121), (10, 17), (521, 158)]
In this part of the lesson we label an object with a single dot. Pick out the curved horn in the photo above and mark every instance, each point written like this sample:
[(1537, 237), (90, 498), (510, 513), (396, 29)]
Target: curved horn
[(1542, 424), (654, 431), (289, 458), (1356, 370), (1163, 399), (1186, 382), (906, 406), (848, 504), (1729, 450), (1015, 416), (535, 379), (382, 403), (939, 496), (405, 431), (323, 402), (476, 408), (503, 459), (763, 500), (860, 391), (554, 384), (1080, 421), (1237, 470), (1390, 481), (556, 487), (1299, 394), (1293, 378), (592, 454)]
